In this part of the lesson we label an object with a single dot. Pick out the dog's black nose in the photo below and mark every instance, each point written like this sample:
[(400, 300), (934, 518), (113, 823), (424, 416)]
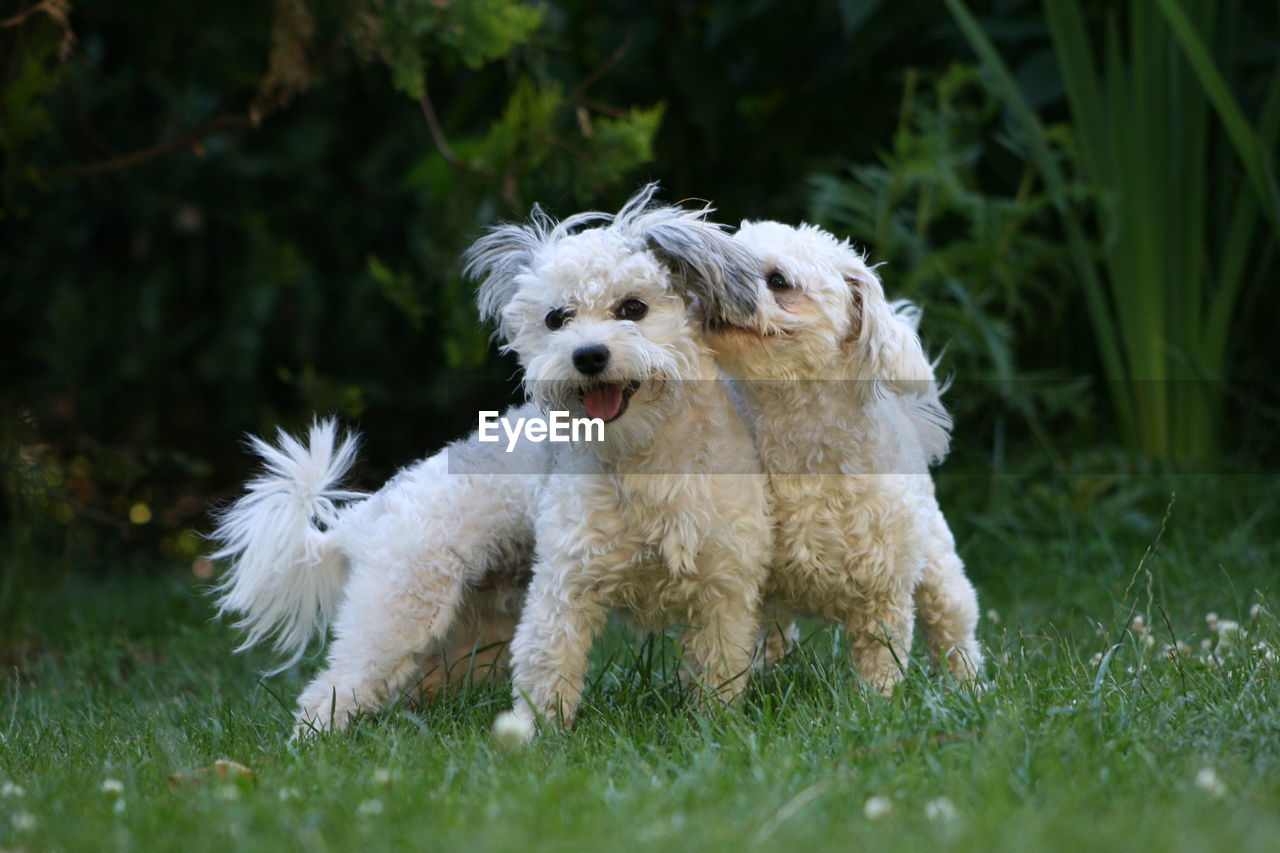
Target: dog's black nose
[(591, 359)]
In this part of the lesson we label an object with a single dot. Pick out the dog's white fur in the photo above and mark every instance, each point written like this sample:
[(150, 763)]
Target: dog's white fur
[(847, 419), (427, 576), (666, 520), (414, 572)]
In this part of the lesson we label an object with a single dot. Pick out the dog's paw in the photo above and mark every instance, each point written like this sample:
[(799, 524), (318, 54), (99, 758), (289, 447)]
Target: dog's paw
[(965, 665), (322, 709)]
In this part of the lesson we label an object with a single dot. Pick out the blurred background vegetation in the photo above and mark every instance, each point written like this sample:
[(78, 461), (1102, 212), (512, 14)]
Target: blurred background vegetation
[(217, 218)]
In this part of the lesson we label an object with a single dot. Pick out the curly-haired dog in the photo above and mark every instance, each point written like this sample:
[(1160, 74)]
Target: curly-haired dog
[(433, 567), (847, 419), (415, 577), (666, 520)]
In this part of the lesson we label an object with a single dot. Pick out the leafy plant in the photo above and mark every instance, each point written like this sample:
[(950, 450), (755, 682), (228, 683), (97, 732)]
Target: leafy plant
[(977, 251), (1178, 221)]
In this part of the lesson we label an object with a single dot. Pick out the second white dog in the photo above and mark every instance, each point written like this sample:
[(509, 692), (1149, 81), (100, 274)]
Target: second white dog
[(847, 420)]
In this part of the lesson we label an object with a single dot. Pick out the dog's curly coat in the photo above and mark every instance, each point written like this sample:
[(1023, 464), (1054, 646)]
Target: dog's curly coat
[(847, 419), (433, 565), (431, 570), (666, 520)]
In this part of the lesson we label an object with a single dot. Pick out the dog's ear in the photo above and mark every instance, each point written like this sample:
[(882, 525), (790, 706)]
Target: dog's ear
[(506, 252), (498, 259), (706, 262), (883, 346)]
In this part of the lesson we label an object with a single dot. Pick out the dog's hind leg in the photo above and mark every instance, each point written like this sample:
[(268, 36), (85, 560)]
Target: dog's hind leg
[(947, 604), (778, 636), (478, 649), (384, 625)]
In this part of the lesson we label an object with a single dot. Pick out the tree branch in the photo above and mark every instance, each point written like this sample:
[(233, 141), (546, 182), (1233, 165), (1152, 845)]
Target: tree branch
[(221, 124), (442, 144), (600, 70)]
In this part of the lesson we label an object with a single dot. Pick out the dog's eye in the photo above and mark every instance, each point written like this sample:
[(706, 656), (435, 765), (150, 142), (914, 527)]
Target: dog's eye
[(777, 281), (556, 318), (632, 309)]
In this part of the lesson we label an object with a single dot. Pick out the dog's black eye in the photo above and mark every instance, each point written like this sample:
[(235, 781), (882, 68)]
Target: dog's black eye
[(632, 309), (556, 318), (777, 281)]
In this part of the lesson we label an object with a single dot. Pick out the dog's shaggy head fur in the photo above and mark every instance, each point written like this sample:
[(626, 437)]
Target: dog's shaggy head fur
[(821, 314), (597, 307)]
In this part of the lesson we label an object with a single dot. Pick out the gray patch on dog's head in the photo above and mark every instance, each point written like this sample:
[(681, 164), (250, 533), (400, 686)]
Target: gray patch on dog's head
[(507, 251), (706, 261)]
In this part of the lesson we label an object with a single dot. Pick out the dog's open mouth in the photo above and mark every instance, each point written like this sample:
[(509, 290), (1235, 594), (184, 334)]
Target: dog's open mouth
[(607, 401)]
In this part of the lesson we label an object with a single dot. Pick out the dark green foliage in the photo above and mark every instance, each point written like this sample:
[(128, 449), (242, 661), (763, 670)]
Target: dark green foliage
[(219, 218)]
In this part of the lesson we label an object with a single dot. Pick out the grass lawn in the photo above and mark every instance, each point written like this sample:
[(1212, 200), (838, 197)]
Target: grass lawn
[(1089, 737)]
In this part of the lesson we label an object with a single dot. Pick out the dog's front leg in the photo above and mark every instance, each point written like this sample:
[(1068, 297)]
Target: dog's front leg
[(720, 647), (880, 637), (561, 618)]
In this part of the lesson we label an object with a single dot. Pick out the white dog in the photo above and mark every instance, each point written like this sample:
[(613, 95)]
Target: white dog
[(847, 420), (666, 520), (432, 567), (421, 574)]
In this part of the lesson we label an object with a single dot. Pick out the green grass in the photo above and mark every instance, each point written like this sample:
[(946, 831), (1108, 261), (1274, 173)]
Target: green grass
[(132, 681)]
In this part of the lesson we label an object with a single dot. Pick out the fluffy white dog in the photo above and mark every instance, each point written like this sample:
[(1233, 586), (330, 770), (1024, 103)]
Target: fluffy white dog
[(420, 575), (847, 420), (432, 567), (666, 520)]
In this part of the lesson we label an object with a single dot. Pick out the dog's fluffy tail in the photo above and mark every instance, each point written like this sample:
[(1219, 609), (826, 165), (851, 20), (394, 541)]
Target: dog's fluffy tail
[(286, 570)]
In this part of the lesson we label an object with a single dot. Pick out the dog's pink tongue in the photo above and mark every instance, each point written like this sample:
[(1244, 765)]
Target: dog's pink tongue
[(603, 401)]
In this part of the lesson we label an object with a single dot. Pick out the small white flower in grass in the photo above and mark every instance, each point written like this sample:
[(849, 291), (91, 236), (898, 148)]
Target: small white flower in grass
[(993, 616), (1096, 660), (12, 790), (940, 809), (24, 821), (369, 808), (113, 787), (1211, 783), (1228, 636), (1211, 619), (118, 808), (1255, 610), (287, 794), (381, 776), (1138, 625), (877, 807), (512, 731)]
